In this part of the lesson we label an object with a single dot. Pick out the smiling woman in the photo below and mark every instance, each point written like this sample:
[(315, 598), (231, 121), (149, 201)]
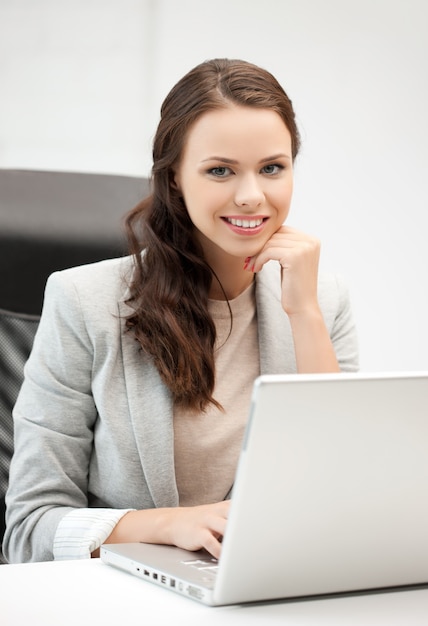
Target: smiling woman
[(140, 378)]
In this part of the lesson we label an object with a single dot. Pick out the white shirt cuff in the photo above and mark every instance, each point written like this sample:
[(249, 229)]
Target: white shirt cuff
[(82, 531)]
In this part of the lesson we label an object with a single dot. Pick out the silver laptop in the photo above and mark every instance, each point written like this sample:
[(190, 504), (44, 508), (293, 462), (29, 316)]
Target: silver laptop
[(331, 495)]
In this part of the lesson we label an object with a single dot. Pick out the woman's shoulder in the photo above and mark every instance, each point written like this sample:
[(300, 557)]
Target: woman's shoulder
[(89, 271), (332, 286), (94, 289), (109, 277)]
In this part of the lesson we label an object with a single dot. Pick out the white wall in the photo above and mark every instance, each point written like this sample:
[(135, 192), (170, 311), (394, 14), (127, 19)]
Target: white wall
[(73, 84), (82, 83)]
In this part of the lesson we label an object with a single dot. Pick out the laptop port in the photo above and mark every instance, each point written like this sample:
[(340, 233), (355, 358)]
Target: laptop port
[(194, 592)]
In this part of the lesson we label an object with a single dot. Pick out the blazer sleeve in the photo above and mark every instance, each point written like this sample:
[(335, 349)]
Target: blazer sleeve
[(336, 304), (53, 428)]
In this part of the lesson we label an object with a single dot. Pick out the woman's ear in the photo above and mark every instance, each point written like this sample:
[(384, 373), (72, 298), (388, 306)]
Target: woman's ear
[(174, 182)]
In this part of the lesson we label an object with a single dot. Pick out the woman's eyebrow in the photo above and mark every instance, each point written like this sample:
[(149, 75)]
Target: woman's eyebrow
[(280, 155), (234, 161), (220, 158)]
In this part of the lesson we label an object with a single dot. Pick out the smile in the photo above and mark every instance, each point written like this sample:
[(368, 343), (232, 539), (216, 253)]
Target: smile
[(242, 223)]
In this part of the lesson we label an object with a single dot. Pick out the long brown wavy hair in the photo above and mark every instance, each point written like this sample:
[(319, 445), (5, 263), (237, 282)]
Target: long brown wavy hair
[(171, 281)]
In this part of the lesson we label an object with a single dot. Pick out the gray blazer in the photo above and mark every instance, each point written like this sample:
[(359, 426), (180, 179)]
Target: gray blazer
[(93, 421)]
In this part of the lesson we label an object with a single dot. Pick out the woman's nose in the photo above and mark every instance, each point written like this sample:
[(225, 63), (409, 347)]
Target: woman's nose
[(249, 192)]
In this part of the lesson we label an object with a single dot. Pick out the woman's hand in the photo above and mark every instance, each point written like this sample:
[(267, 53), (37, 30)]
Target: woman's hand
[(197, 527), (191, 528), (298, 254)]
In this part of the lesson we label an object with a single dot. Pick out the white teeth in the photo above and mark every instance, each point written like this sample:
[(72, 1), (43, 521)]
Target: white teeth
[(245, 223)]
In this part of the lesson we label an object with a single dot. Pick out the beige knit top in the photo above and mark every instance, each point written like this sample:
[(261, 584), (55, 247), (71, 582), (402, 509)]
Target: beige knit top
[(207, 445)]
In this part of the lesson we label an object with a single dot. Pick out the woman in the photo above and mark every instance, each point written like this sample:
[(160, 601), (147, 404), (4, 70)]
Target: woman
[(129, 422)]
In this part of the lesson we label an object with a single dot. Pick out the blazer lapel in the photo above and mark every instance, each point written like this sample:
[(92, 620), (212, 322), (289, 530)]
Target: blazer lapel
[(275, 337), (151, 413)]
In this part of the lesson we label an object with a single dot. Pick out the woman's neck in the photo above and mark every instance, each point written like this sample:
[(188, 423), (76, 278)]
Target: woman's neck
[(232, 285), (230, 279)]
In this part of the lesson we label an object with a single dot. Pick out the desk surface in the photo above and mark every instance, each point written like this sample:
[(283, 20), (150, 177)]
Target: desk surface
[(68, 592)]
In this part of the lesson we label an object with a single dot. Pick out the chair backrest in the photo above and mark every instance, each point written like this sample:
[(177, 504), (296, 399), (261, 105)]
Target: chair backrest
[(53, 220), (16, 339), (48, 221)]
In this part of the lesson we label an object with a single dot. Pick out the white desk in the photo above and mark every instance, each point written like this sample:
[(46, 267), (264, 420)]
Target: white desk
[(89, 592)]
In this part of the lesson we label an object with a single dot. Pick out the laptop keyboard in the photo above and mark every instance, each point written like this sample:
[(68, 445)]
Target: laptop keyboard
[(208, 564)]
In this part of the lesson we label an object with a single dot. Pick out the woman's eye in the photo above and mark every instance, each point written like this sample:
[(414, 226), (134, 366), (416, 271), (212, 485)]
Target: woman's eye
[(220, 172), (272, 169)]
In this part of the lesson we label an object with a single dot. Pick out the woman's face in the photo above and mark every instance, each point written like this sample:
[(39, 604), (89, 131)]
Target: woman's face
[(236, 179)]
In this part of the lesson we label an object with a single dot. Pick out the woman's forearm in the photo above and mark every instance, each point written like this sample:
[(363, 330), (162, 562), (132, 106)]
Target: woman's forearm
[(312, 344)]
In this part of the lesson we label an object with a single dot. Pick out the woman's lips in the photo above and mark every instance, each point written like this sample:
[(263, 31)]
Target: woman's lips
[(245, 225)]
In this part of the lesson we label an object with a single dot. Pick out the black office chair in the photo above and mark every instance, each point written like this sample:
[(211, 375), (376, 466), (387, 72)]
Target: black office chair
[(16, 339), (54, 220), (48, 221)]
